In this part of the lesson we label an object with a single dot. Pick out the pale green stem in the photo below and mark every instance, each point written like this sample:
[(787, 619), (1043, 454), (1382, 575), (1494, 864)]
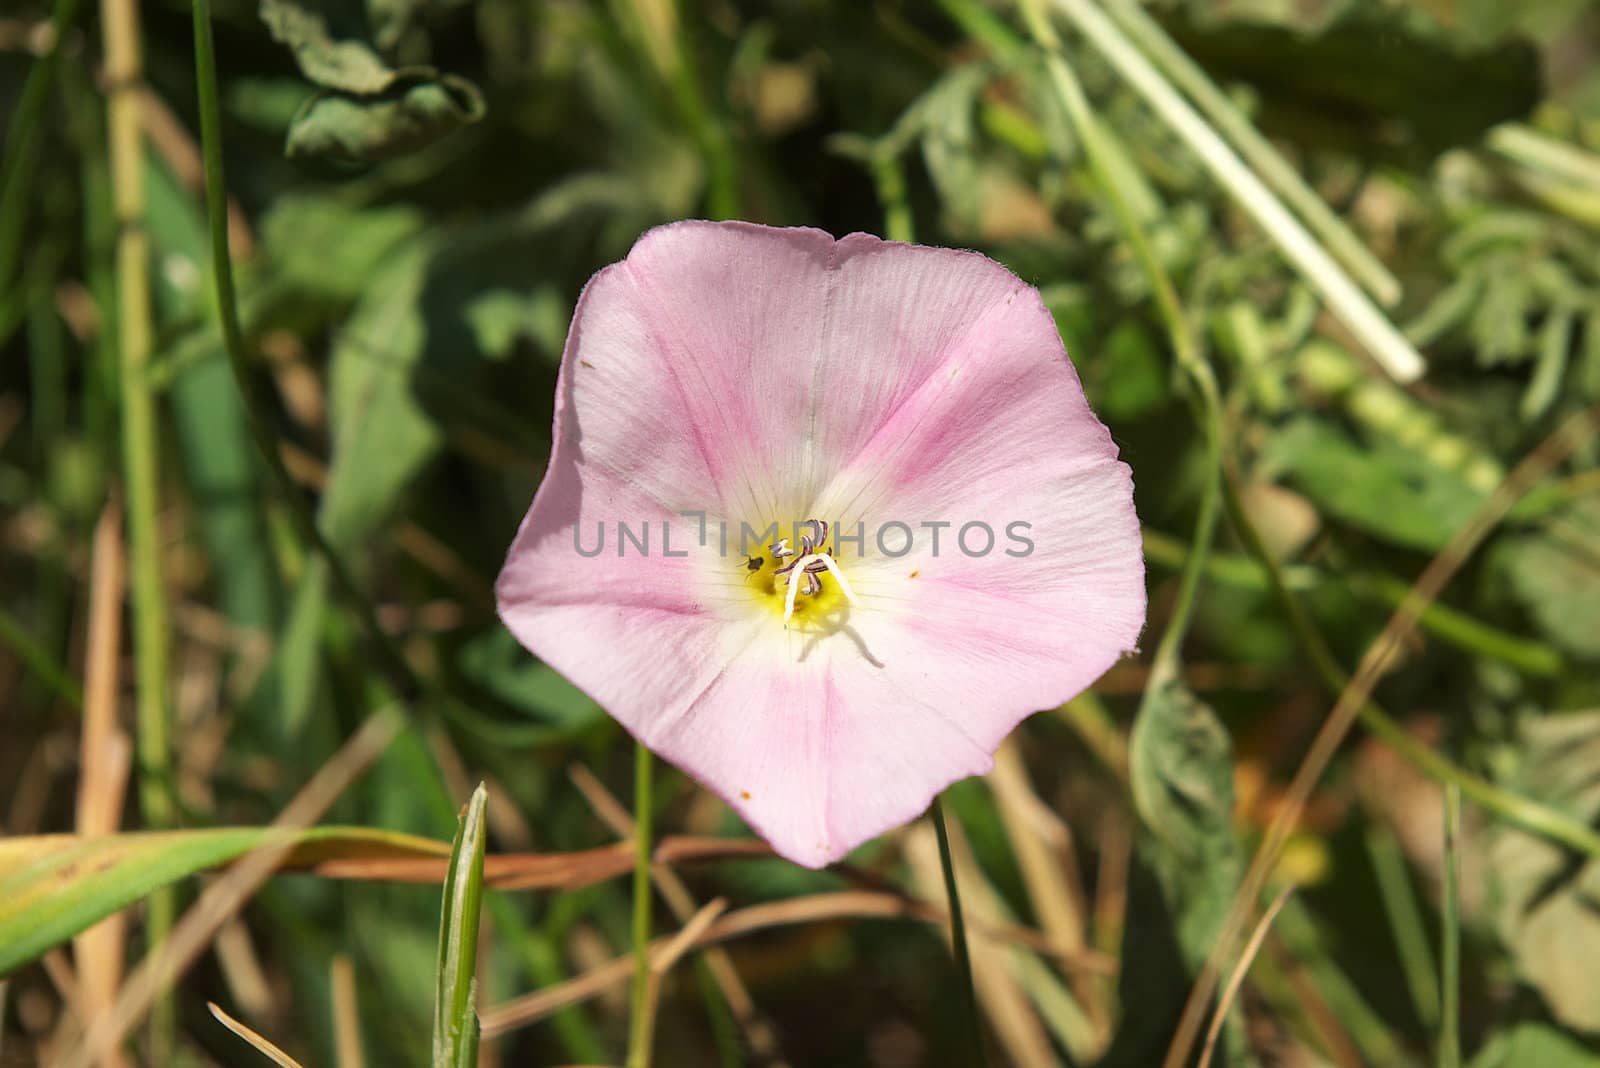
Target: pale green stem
[(1257, 151), (1559, 159), (1345, 299), (639, 1017), (891, 180), (657, 29), (1446, 623), (119, 20)]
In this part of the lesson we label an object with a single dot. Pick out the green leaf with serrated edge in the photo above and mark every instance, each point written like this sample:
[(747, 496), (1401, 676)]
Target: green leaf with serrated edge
[(418, 107), (455, 1019), (54, 886)]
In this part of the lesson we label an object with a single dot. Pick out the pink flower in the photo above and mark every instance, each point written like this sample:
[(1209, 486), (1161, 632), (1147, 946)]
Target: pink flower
[(857, 393)]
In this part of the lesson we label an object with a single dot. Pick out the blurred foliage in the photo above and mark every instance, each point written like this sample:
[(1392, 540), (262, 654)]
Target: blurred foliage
[(420, 189)]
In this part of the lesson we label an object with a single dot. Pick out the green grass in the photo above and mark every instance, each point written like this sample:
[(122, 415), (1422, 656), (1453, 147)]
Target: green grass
[(320, 390)]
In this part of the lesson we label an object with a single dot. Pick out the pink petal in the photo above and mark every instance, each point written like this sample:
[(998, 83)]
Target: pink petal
[(759, 375)]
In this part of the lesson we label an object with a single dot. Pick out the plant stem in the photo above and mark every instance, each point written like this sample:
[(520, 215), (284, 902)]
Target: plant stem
[(1448, 624), (140, 458), (657, 31), (394, 665), (22, 143), (1345, 299), (958, 936), (1450, 1018), (639, 1022), (1185, 344), (891, 181), (1175, 63)]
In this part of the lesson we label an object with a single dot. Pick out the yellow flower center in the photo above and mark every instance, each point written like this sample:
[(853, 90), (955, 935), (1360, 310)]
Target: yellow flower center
[(797, 578)]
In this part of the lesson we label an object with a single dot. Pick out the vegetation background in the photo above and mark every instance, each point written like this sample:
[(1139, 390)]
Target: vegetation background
[(418, 189)]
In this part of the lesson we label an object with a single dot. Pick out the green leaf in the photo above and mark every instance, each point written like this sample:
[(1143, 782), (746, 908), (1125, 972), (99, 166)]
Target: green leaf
[(455, 1018), (1532, 1043), (1181, 769), (381, 432), (1132, 375), (218, 455), (1555, 573), (430, 317), (418, 107), (323, 245), (1546, 906), (54, 886), (411, 345), (950, 142), (295, 669), (1381, 77), (1386, 489), (500, 666), (390, 18), (326, 45)]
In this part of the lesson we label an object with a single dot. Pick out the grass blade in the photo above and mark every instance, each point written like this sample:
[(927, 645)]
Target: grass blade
[(1450, 1015), (346, 1015), (124, 72), (958, 933), (1405, 920), (1230, 989), (639, 1013), (261, 1045), (455, 1017), (22, 143)]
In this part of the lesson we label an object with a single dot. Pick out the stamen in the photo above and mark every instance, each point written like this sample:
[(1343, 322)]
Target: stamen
[(838, 576), (804, 566)]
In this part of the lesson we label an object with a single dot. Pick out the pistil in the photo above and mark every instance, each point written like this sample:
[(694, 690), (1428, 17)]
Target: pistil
[(804, 567)]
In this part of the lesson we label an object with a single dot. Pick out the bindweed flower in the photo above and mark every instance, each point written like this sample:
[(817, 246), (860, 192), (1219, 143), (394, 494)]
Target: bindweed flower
[(824, 520)]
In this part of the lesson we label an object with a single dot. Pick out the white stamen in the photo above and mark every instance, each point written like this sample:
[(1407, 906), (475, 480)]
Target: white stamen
[(833, 569), (800, 569), (781, 549)]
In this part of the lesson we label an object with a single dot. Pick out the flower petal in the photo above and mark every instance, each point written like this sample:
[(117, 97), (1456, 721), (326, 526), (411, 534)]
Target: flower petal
[(757, 374), (736, 315)]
